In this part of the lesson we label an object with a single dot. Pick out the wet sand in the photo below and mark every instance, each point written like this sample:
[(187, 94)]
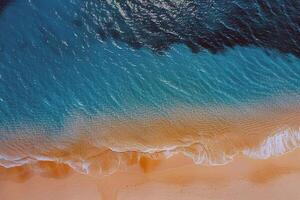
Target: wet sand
[(176, 178), (209, 138), (213, 155)]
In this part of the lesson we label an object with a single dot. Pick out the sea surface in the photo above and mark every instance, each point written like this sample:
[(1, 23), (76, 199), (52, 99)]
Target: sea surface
[(207, 78)]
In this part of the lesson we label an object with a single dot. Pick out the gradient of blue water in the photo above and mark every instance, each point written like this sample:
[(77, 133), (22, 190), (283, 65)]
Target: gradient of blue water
[(50, 70)]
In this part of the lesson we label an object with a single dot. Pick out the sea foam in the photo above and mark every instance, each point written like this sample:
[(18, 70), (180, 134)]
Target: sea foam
[(103, 147)]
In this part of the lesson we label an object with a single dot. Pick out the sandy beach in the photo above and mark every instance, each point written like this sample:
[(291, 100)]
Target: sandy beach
[(176, 178), (226, 157)]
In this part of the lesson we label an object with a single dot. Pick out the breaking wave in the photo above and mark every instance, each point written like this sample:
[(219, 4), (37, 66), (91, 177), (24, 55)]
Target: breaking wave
[(103, 146)]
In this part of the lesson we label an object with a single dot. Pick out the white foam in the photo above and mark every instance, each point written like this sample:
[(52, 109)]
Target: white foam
[(282, 142)]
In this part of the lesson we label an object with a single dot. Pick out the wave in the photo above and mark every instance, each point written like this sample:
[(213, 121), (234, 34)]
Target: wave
[(102, 147)]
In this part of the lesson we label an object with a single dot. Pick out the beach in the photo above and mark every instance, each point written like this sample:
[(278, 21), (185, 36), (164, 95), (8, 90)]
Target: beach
[(226, 155), (175, 178)]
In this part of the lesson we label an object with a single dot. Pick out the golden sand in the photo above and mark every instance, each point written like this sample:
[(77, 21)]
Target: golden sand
[(186, 155), (207, 138), (176, 178)]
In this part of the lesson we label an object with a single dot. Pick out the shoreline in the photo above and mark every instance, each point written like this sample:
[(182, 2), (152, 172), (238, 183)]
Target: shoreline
[(224, 155), (174, 178), (206, 138)]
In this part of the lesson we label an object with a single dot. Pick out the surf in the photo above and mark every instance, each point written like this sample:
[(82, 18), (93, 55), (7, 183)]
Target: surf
[(103, 146)]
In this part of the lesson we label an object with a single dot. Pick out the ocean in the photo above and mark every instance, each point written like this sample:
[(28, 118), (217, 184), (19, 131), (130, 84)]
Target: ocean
[(209, 79)]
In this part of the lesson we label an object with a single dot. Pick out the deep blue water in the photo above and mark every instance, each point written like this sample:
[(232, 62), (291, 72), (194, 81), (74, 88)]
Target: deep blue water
[(54, 65)]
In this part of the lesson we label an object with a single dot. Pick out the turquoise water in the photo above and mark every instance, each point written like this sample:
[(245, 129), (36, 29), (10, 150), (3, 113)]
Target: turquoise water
[(51, 68), (141, 75)]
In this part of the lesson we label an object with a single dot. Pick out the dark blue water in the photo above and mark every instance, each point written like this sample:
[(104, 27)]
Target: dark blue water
[(79, 57)]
